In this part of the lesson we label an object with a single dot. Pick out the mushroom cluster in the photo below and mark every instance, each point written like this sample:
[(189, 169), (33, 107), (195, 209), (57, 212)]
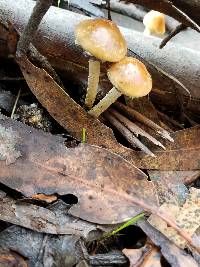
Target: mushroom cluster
[(103, 40)]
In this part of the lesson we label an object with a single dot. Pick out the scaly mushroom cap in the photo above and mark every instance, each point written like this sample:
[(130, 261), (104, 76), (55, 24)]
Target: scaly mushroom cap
[(130, 77), (102, 39), (155, 22)]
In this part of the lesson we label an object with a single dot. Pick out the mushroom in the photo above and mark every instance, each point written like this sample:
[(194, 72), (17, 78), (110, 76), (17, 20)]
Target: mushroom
[(103, 40), (154, 22), (129, 77)]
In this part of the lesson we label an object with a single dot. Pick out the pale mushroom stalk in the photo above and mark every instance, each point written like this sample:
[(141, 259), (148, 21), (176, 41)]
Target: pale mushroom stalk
[(93, 81), (129, 77), (104, 103)]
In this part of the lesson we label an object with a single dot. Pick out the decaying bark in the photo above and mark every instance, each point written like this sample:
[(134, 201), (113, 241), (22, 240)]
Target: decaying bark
[(55, 39)]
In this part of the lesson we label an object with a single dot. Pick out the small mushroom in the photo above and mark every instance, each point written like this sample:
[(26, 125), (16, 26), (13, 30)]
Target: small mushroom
[(154, 22), (103, 40), (129, 77)]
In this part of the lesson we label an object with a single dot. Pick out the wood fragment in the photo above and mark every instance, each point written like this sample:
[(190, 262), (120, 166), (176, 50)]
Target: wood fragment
[(134, 114), (128, 135)]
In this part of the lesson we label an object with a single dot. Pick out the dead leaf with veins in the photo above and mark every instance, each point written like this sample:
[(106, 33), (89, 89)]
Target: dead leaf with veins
[(8, 141), (187, 218)]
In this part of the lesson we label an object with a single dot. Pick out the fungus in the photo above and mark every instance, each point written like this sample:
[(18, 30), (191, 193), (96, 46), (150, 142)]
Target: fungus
[(154, 22), (129, 77), (103, 40)]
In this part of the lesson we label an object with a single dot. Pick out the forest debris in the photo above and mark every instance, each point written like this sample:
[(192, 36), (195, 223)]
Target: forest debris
[(52, 170), (11, 258), (8, 141), (63, 108), (44, 220), (173, 254), (55, 170), (7, 100), (183, 154), (137, 256), (171, 184), (126, 133), (153, 258), (33, 116), (133, 114), (187, 217), (50, 249)]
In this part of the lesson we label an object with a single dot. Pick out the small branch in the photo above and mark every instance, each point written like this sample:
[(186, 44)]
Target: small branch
[(41, 7), (134, 114), (128, 135), (134, 128), (170, 120), (177, 30)]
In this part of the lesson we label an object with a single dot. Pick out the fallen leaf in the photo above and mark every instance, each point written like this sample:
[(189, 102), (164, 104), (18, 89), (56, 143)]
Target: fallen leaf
[(55, 221), (186, 217), (109, 189), (153, 259), (171, 184), (183, 154), (65, 110), (10, 259), (8, 140), (38, 248), (175, 256)]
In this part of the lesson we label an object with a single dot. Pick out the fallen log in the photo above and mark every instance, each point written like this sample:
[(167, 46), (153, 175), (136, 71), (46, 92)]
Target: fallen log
[(55, 39)]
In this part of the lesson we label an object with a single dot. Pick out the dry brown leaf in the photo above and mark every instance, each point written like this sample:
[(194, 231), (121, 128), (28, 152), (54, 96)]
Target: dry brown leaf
[(183, 154), (147, 256), (10, 259), (186, 217), (153, 259), (64, 109), (173, 254), (171, 184), (8, 140), (44, 220), (108, 188)]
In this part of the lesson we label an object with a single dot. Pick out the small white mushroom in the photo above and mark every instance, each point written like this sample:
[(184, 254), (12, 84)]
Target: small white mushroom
[(154, 23)]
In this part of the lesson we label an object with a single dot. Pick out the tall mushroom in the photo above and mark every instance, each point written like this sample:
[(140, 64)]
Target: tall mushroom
[(103, 40), (154, 22), (129, 77)]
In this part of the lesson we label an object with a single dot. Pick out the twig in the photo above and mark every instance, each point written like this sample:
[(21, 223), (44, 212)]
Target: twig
[(135, 114), (172, 121), (178, 29), (24, 44), (15, 104), (109, 11), (39, 10), (128, 135), (134, 128)]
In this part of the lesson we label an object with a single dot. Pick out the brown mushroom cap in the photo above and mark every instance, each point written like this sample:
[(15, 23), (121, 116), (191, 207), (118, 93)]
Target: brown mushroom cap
[(130, 77), (155, 22), (102, 39)]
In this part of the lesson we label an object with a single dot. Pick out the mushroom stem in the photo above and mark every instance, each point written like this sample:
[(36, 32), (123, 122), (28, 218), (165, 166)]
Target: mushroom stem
[(93, 80), (110, 98), (147, 32)]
